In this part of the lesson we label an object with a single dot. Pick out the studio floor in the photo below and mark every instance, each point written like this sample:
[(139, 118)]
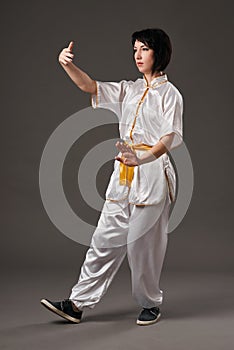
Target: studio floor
[(197, 313)]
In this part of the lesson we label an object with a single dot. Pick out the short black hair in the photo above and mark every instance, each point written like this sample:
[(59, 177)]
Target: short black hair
[(159, 41)]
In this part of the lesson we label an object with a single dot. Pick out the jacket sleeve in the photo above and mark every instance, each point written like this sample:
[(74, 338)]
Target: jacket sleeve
[(173, 117), (110, 95)]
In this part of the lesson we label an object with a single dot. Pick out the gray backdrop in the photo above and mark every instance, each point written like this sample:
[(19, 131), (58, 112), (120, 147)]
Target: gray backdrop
[(37, 260), (37, 96)]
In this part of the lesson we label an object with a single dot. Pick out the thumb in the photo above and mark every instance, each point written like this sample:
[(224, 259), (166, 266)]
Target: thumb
[(70, 46)]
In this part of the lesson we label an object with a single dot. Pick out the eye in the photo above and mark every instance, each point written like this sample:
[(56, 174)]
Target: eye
[(145, 49)]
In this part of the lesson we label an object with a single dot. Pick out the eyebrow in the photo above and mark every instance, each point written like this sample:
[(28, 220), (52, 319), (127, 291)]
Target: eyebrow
[(141, 46)]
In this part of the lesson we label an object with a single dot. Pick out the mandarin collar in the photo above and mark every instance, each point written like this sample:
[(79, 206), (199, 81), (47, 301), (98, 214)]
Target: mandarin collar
[(156, 81)]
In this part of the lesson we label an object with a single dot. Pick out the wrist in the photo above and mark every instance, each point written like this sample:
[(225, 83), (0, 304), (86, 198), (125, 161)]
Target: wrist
[(146, 157)]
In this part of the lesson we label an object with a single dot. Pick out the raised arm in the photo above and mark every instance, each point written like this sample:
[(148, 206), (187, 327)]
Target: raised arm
[(79, 77)]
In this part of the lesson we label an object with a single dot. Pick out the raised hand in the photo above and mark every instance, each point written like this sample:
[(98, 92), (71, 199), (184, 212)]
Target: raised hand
[(129, 156), (66, 56)]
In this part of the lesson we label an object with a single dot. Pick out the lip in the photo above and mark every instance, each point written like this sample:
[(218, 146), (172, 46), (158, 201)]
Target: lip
[(139, 63)]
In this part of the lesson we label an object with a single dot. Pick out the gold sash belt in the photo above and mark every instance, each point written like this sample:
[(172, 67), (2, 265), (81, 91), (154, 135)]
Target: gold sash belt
[(126, 172)]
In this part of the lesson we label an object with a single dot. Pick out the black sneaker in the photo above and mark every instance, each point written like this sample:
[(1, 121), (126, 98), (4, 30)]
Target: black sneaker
[(64, 309), (148, 316)]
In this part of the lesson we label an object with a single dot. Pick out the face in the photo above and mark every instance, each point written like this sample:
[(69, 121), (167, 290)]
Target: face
[(144, 57)]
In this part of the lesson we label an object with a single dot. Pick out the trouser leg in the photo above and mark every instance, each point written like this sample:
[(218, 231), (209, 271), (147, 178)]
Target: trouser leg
[(146, 253), (104, 257)]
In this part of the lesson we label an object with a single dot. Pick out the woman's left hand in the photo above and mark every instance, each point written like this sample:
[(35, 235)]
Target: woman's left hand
[(129, 156)]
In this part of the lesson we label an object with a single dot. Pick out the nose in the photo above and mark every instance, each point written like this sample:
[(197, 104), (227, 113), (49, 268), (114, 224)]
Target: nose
[(138, 55)]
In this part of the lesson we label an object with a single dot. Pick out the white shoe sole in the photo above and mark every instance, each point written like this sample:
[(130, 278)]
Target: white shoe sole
[(51, 307), (146, 323)]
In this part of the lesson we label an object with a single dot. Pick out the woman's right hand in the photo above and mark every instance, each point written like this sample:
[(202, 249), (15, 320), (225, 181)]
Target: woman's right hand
[(66, 56)]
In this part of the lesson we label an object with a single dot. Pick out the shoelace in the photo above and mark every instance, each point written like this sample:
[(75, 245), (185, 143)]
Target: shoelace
[(151, 311), (64, 303)]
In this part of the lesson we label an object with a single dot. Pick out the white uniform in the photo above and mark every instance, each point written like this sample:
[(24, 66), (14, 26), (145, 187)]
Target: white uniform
[(134, 218)]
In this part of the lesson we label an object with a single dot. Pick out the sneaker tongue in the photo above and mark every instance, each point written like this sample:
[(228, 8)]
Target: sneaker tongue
[(74, 307)]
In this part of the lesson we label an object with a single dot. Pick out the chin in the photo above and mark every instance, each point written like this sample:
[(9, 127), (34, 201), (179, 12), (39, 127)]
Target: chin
[(142, 70)]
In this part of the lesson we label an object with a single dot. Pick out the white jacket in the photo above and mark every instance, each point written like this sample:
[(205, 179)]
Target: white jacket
[(145, 113)]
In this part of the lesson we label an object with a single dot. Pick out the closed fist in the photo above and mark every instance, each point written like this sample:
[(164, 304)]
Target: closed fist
[(66, 56)]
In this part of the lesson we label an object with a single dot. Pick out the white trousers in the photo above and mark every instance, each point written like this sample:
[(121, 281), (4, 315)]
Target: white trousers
[(123, 228)]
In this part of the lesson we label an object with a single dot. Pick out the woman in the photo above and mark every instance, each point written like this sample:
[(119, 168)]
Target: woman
[(135, 214)]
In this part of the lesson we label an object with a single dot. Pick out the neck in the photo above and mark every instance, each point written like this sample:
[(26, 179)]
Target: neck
[(149, 77)]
